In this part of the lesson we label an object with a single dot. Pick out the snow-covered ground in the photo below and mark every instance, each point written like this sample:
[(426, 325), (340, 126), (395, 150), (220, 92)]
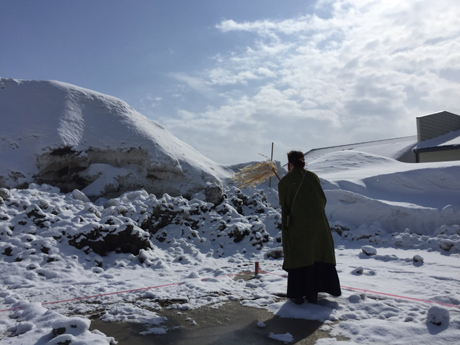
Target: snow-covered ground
[(66, 260), (405, 290)]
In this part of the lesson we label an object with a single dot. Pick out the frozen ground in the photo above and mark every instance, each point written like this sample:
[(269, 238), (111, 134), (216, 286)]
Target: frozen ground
[(405, 290)]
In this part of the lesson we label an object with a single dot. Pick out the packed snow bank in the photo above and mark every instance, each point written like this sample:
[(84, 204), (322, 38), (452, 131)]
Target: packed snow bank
[(370, 191), (74, 138)]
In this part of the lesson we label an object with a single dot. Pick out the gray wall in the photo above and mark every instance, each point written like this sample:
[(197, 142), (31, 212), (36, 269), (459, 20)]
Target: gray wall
[(432, 126), (439, 156), (408, 157)]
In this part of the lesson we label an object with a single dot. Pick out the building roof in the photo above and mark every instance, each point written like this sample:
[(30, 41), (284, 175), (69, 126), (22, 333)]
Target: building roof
[(447, 141), (391, 148)]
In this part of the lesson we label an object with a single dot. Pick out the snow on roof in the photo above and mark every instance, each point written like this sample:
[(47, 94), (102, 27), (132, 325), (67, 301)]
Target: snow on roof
[(390, 148), (449, 139)]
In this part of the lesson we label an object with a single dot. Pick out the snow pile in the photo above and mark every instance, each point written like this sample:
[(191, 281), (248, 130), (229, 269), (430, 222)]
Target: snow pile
[(396, 148), (74, 138), (43, 326), (390, 196), (41, 222), (189, 255)]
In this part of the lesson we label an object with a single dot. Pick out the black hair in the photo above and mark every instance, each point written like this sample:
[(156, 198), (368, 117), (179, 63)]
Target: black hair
[(296, 158)]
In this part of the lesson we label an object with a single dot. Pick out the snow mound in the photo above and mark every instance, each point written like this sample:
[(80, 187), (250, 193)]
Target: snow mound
[(432, 185), (36, 322), (74, 138), (372, 193)]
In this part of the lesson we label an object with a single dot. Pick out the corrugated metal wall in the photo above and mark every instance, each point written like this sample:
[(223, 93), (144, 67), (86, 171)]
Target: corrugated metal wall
[(432, 126)]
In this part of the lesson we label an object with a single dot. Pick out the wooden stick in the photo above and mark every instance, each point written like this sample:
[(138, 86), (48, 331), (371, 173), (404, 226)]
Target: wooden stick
[(270, 179)]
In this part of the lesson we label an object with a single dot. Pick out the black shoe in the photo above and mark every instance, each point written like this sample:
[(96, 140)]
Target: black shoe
[(297, 300), (312, 299)]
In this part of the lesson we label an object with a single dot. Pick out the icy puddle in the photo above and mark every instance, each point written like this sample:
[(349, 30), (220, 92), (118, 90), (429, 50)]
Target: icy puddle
[(230, 323)]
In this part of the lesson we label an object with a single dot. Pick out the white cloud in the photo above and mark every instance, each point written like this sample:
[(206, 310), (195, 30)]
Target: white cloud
[(220, 76), (266, 72), (362, 72), (195, 83)]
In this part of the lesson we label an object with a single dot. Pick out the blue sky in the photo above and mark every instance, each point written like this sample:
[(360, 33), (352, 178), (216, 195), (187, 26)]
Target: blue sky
[(231, 77)]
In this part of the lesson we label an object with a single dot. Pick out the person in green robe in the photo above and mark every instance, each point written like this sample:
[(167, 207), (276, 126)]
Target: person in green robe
[(308, 246)]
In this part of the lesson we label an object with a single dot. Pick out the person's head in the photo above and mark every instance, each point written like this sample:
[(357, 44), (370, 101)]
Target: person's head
[(295, 160)]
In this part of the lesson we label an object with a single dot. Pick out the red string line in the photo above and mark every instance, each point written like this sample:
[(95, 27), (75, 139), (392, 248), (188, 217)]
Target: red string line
[(381, 293), (125, 291), (235, 274)]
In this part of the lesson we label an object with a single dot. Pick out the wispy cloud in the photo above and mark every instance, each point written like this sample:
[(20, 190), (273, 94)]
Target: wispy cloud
[(195, 83), (363, 71)]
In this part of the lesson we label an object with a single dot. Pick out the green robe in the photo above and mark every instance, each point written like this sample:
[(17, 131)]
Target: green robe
[(308, 238)]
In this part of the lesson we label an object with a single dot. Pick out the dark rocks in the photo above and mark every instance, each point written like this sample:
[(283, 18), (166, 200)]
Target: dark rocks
[(4, 194), (275, 253), (104, 239), (369, 250), (213, 193), (238, 233)]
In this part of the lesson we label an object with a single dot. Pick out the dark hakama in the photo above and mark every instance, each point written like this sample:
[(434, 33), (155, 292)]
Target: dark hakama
[(308, 281)]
